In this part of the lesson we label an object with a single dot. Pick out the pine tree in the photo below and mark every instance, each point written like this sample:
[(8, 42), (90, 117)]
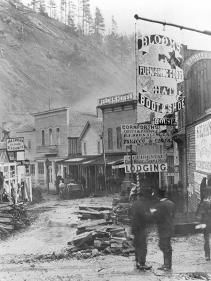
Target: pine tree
[(42, 7), (99, 25), (52, 8), (71, 14), (114, 27), (34, 4)]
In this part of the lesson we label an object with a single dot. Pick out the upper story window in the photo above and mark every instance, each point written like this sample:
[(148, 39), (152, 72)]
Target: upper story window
[(98, 147), (110, 138), (29, 145), (119, 137), (50, 137), (58, 136), (43, 138), (85, 151), (40, 168), (74, 146)]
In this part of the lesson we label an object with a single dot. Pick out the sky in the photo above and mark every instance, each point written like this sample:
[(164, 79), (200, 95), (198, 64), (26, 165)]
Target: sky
[(190, 13)]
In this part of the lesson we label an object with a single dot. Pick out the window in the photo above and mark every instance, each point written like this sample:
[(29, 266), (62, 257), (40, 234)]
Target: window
[(98, 147), (119, 137), (41, 168), (50, 137), (29, 144), (74, 146), (110, 138), (43, 137), (32, 169), (57, 135), (85, 152)]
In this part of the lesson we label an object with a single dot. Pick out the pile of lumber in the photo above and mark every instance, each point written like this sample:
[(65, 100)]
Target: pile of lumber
[(12, 217), (94, 212), (100, 235), (121, 213)]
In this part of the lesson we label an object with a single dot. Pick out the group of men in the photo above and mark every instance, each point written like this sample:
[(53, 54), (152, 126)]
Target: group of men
[(147, 210)]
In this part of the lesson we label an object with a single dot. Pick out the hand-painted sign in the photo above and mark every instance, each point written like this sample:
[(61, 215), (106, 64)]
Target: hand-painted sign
[(140, 134), (203, 146), (159, 70), (15, 144), (145, 159), (144, 134), (116, 99), (159, 107), (164, 121), (146, 168)]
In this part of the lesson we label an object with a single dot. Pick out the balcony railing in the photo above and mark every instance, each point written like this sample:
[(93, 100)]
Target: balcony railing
[(47, 149)]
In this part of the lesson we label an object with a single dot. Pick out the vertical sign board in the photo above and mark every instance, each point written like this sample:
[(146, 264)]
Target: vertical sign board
[(203, 146), (159, 71), (15, 148), (15, 144)]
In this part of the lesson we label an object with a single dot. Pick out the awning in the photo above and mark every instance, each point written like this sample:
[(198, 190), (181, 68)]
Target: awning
[(74, 160), (120, 166)]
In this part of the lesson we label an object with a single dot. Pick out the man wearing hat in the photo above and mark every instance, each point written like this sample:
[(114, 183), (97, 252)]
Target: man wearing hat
[(141, 217), (164, 215)]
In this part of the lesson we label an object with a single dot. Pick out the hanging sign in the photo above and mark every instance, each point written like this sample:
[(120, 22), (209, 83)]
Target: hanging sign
[(15, 144), (144, 134), (164, 121), (159, 70), (203, 146), (146, 168), (140, 134), (145, 159)]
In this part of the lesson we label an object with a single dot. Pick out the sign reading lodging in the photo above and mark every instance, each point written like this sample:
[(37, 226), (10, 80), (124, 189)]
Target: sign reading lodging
[(116, 99), (15, 144), (145, 159), (146, 168), (203, 146), (159, 71)]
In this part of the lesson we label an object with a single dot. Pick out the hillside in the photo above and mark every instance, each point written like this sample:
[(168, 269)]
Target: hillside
[(41, 60)]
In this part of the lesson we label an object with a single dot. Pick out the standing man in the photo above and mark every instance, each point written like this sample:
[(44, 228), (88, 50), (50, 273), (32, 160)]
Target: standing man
[(140, 220), (164, 215)]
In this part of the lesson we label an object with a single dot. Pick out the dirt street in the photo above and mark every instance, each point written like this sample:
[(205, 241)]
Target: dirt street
[(28, 255)]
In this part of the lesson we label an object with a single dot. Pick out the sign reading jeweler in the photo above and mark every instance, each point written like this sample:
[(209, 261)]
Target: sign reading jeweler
[(15, 144)]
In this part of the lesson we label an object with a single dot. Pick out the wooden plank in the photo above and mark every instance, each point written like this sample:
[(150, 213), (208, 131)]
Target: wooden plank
[(7, 226), (92, 223), (5, 215), (94, 207), (5, 220), (82, 238)]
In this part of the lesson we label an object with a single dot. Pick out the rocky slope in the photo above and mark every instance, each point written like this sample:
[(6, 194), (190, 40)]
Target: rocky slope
[(43, 62)]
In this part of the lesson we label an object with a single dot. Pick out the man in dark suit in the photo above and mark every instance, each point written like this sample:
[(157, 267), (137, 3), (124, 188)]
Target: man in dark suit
[(164, 215), (141, 218)]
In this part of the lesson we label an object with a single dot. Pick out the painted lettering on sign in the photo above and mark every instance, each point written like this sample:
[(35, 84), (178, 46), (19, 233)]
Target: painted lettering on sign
[(15, 144), (155, 39), (203, 146), (146, 168), (145, 159), (160, 72), (116, 99), (159, 107)]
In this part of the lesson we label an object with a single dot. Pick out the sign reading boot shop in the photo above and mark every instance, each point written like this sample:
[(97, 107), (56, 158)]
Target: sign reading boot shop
[(159, 71), (203, 146)]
